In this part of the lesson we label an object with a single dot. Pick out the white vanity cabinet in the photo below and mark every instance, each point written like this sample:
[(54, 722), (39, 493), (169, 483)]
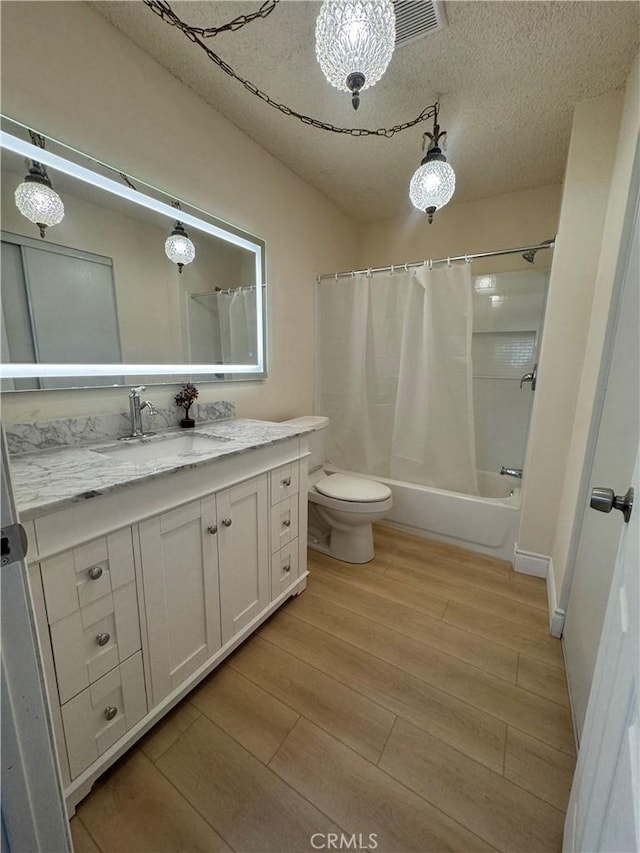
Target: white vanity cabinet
[(205, 570), (140, 593), (92, 613), (179, 567), (286, 530), (243, 549)]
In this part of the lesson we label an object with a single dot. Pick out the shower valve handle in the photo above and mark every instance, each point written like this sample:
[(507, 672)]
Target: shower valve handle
[(530, 377)]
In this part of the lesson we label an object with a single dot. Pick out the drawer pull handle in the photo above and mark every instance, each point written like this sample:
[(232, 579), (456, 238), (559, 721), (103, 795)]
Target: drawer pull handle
[(227, 522), (286, 568), (110, 712), (213, 529), (286, 522), (95, 572), (103, 638), (286, 481)]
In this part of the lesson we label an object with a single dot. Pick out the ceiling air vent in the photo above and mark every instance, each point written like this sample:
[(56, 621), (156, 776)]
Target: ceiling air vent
[(417, 18)]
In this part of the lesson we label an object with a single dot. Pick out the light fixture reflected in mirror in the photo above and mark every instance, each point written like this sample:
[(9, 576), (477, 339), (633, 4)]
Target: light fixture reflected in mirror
[(178, 246), (354, 43), (434, 181), (35, 197)]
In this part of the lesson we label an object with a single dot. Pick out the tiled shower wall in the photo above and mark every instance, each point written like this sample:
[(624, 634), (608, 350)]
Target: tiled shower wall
[(508, 312)]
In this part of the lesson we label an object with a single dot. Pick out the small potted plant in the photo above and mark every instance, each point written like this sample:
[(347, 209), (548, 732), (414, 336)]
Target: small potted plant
[(185, 398)]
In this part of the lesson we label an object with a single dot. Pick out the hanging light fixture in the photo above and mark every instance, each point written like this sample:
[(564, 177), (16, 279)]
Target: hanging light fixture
[(354, 43), (178, 246), (434, 181), (35, 197)]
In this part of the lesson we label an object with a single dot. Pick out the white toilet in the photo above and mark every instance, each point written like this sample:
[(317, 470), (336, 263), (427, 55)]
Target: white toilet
[(341, 508)]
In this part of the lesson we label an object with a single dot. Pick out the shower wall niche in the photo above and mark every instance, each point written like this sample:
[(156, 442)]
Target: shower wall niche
[(508, 312)]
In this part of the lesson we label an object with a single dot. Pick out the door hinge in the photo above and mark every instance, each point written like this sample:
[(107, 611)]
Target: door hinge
[(14, 544)]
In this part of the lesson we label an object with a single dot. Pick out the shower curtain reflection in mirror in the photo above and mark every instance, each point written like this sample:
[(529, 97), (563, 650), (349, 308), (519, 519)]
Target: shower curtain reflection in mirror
[(222, 326), (395, 375)]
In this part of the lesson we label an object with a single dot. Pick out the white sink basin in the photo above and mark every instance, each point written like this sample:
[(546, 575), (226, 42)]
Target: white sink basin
[(182, 445)]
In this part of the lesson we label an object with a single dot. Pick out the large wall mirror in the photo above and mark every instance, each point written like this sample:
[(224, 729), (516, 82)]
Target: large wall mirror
[(97, 300)]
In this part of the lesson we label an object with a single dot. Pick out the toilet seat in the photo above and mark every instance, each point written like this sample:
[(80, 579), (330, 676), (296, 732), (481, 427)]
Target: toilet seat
[(356, 489)]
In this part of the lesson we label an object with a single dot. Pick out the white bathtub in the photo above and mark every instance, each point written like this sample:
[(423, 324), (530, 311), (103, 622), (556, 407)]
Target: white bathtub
[(486, 524)]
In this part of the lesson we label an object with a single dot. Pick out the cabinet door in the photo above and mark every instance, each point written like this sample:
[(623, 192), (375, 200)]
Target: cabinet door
[(99, 716), (284, 568), (243, 548), (180, 576)]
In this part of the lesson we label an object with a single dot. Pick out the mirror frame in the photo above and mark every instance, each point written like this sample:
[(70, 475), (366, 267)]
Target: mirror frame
[(215, 228)]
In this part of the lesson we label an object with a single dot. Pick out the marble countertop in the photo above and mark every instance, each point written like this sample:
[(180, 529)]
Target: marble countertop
[(50, 480)]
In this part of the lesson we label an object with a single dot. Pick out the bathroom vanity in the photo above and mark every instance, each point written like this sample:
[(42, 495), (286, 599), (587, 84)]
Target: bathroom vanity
[(149, 562)]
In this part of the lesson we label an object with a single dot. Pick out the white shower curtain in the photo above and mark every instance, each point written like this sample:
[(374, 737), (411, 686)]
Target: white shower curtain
[(237, 316), (394, 375)]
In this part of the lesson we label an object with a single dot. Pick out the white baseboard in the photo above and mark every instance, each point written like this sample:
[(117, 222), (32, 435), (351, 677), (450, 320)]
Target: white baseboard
[(528, 563), (556, 614)]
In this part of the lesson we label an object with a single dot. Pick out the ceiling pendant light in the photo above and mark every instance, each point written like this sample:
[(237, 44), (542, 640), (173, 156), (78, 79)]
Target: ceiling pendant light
[(178, 246), (434, 181), (354, 43), (35, 197)]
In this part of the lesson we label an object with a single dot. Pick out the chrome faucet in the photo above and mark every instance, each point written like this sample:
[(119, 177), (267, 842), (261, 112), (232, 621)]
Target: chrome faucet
[(136, 405), (512, 472)]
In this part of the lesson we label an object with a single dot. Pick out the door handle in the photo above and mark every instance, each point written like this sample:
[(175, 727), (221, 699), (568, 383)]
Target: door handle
[(604, 500), (14, 544)]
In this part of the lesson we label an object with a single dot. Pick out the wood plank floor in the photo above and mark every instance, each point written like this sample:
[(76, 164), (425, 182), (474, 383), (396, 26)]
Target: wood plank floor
[(419, 698)]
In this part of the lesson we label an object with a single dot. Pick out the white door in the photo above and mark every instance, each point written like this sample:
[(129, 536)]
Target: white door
[(243, 547), (33, 812), (180, 575), (603, 813), (613, 462)]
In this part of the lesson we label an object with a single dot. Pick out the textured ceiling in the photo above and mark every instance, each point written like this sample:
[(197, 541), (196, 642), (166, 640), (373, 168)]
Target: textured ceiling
[(508, 75)]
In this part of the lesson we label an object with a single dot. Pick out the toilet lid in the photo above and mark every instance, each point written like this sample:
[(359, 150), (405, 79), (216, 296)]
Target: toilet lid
[(352, 488)]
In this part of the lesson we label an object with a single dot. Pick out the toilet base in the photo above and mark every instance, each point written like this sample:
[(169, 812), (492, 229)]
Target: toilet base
[(356, 546)]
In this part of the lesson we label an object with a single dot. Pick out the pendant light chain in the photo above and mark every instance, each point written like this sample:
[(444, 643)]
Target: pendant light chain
[(166, 13), (209, 32)]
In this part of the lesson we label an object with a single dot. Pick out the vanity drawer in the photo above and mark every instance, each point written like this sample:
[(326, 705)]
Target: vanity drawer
[(93, 640), (82, 576), (284, 482), (284, 523), (100, 715), (284, 568)]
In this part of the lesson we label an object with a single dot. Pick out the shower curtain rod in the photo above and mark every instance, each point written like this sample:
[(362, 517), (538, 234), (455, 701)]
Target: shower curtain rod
[(546, 244), (227, 290)]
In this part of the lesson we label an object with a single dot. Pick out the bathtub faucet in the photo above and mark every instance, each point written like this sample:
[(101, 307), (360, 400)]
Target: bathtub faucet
[(512, 472)]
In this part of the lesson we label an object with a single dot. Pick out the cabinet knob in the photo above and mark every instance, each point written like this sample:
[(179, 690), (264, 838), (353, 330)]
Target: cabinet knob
[(286, 481), (213, 529), (227, 522), (95, 572), (103, 638), (286, 568), (110, 712), (286, 522)]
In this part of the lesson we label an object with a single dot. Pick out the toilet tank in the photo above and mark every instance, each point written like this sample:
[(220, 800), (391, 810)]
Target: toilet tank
[(317, 439)]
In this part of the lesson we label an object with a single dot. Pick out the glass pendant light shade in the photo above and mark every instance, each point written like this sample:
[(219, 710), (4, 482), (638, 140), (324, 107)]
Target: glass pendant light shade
[(434, 181), (432, 186), (354, 43), (179, 248), (36, 199)]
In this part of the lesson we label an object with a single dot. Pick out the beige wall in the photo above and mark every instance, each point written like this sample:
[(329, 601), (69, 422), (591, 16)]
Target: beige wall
[(569, 309), (102, 94), (569, 512), (499, 222)]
